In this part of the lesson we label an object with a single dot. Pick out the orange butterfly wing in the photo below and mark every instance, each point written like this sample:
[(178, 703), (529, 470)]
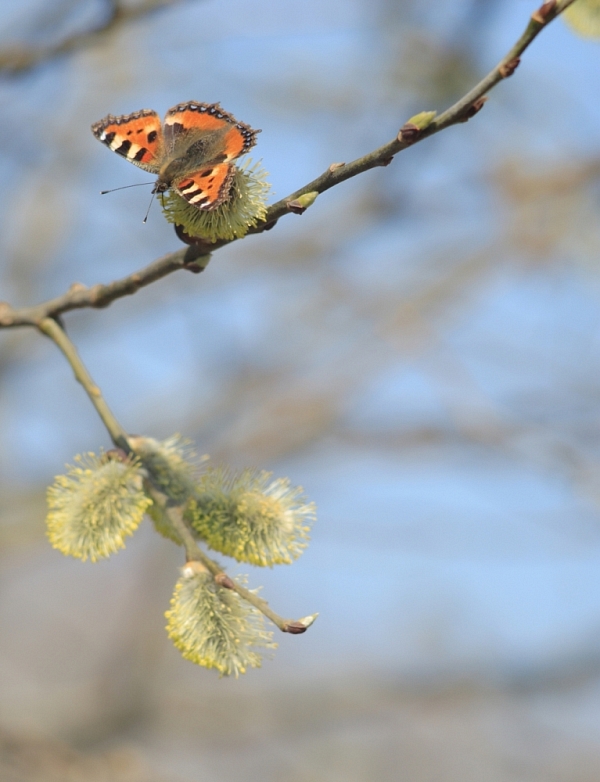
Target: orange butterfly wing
[(137, 137), (207, 188), (192, 120)]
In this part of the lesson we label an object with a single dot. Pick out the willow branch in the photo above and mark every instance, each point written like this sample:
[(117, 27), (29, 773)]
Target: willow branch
[(18, 59), (194, 553), (79, 296), (51, 328)]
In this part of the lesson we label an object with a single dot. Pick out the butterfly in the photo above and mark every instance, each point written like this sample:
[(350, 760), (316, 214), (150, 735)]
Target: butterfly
[(190, 153)]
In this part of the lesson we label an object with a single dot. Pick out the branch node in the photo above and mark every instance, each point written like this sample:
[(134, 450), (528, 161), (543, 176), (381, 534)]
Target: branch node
[(409, 133), (199, 246), (334, 166), (197, 256), (6, 314), (194, 267), (299, 205), (96, 296), (192, 568), (296, 207), (545, 12), (300, 626), (77, 287), (414, 126), (386, 161), (508, 68), (474, 108), (222, 579)]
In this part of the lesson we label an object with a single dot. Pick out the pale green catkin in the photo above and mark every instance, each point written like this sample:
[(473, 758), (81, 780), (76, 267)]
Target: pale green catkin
[(172, 464), (213, 627), (245, 208), (173, 468), (95, 506), (251, 517)]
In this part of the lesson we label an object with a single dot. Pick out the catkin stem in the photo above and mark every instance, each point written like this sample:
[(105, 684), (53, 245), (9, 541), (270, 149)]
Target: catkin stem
[(51, 328)]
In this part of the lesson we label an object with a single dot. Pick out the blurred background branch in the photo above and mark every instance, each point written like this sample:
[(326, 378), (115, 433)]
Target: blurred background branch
[(19, 58)]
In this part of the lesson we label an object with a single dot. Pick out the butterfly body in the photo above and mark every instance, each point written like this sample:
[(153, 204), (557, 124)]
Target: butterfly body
[(192, 152)]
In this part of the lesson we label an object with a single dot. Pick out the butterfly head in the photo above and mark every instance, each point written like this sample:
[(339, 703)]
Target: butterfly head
[(161, 186)]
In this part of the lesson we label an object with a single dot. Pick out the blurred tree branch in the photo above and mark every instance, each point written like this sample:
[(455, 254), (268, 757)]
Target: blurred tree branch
[(79, 296), (20, 58)]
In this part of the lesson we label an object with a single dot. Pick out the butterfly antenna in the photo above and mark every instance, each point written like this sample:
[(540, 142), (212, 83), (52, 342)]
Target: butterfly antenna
[(149, 205), (139, 184)]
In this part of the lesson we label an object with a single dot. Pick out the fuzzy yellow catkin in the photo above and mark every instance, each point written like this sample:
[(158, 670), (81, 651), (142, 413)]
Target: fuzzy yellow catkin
[(95, 506), (243, 210), (213, 627), (251, 516)]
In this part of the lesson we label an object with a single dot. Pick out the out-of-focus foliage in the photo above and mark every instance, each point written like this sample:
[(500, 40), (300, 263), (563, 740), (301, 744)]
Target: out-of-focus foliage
[(584, 17)]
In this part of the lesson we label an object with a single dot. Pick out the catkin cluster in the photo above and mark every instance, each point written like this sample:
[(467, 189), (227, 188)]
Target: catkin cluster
[(250, 516)]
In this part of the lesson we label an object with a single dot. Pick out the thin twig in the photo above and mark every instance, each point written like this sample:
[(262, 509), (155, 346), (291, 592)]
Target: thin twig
[(78, 296), (52, 329), (195, 553), (460, 111)]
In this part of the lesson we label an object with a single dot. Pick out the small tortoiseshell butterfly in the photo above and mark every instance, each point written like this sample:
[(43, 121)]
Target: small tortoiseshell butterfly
[(191, 152)]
